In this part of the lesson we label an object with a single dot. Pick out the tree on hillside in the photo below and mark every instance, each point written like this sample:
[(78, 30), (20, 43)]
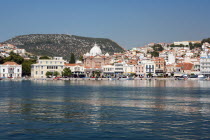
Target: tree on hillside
[(26, 67), (14, 57), (44, 57), (1, 60), (157, 47), (196, 45), (72, 59), (66, 72), (205, 40), (81, 58), (155, 54)]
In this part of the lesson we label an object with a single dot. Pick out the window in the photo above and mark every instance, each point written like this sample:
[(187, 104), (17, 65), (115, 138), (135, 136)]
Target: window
[(41, 72), (36, 72), (3, 70), (18, 70)]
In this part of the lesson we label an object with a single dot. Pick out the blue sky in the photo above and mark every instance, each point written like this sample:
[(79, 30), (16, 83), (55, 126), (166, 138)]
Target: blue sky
[(130, 23)]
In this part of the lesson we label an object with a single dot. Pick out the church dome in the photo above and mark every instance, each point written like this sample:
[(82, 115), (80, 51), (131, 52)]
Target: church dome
[(107, 54), (87, 54), (95, 50)]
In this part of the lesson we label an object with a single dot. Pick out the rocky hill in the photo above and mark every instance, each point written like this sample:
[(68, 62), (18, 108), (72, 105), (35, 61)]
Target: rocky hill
[(62, 45)]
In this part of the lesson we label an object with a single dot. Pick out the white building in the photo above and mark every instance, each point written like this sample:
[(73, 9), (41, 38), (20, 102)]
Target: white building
[(186, 43), (10, 69), (108, 70), (19, 51), (129, 69), (205, 63), (171, 58), (118, 69), (149, 67), (205, 46), (42, 66), (76, 69)]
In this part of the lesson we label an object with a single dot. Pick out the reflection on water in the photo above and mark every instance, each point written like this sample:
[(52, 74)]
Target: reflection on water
[(105, 109), (129, 83)]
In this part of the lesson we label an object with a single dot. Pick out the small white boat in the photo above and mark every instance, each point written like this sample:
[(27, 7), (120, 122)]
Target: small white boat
[(201, 77)]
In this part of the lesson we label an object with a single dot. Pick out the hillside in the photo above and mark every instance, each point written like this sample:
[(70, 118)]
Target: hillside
[(62, 45)]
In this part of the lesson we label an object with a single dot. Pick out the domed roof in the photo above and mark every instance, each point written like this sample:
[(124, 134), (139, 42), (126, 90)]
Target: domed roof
[(107, 54), (87, 54), (95, 50)]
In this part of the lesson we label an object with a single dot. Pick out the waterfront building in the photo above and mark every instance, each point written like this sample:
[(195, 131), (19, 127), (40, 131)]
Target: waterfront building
[(118, 69), (184, 68), (94, 60), (139, 69), (160, 65), (10, 70), (129, 69), (170, 68), (205, 63), (42, 66), (76, 69), (149, 67), (108, 70)]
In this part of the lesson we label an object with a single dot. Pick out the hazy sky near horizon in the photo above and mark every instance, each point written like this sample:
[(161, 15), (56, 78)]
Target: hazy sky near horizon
[(130, 23)]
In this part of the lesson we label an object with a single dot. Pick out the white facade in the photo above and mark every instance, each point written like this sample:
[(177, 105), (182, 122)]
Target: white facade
[(205, 63), (75, 68), (182, 43), (42, 66), (108, 70), (149, 66), (128, 69), (171, 58), (118, 68), (19, 51), (10, 70)]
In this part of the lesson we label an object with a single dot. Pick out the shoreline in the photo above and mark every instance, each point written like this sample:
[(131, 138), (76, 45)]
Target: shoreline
[(100, 79)]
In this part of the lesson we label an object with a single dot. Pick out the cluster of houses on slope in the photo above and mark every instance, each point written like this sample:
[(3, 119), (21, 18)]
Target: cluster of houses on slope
[(5, 50), (171, 61)]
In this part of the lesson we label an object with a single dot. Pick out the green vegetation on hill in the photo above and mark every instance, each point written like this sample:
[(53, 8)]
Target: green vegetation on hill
[(205, 40), (62, 45)]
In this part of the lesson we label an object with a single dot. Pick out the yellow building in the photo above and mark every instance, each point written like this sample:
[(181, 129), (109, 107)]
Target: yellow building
[(42, 66)]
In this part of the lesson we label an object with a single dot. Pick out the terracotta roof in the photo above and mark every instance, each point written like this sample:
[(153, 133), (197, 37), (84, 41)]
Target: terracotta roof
[(66, 64), (87, 67), (158, 59), (97, 67), (10, 63), (185, 66)]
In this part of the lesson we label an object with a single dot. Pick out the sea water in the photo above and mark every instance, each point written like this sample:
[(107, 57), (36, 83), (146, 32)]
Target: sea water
[(133, 109)]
